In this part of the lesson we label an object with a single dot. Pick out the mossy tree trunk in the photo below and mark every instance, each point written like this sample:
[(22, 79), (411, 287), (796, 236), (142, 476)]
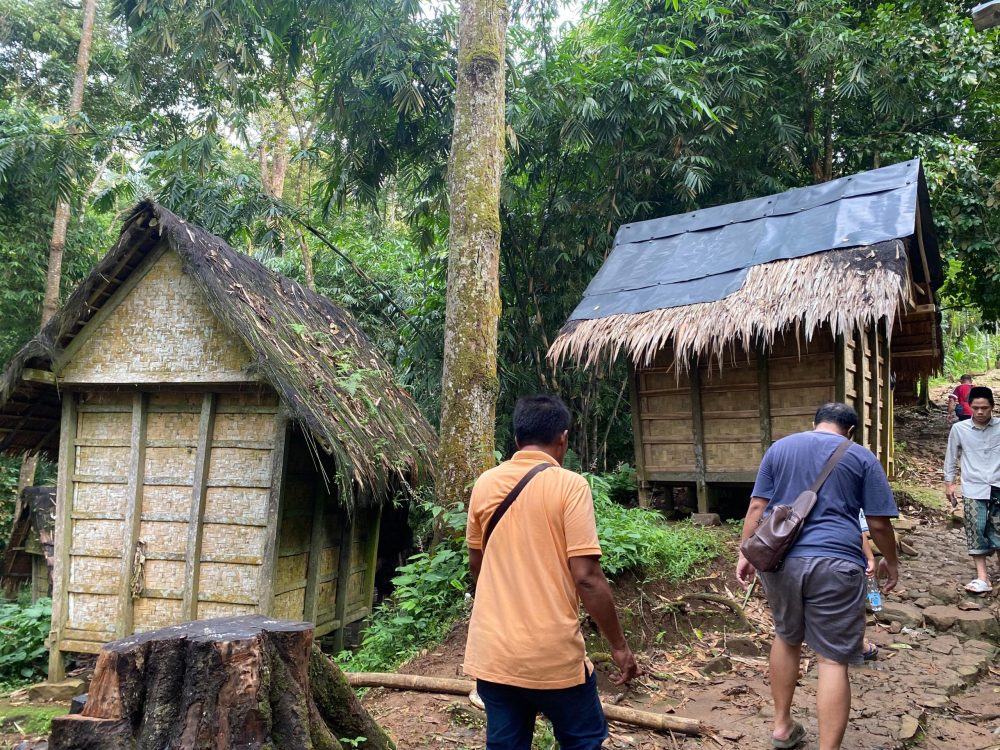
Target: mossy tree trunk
[(469, 383)]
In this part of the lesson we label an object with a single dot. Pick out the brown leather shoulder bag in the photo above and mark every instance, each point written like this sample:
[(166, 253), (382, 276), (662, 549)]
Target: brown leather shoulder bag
[(775, 535)]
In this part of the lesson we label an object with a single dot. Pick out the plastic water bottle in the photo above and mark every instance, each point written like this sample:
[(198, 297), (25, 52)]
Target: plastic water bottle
[(874, 595)]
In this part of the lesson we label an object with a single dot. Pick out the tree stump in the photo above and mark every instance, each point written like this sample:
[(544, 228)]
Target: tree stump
[(244, 682)]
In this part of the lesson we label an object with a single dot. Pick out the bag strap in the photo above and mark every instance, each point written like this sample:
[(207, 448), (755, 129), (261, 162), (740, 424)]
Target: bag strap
[(831, 462), (509, 500)]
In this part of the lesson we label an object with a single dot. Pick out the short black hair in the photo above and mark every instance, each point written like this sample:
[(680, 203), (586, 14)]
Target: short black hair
[(981, 391), (840, 414), (540, 419), (965, 378)]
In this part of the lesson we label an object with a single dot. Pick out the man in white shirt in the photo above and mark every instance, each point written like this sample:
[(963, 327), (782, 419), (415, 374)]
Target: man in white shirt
[(975, 443)]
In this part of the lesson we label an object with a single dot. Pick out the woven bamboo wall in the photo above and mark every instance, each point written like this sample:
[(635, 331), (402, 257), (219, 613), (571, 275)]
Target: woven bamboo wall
[(159, 332)]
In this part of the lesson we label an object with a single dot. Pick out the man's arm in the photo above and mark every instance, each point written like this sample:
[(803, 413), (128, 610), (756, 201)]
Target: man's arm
[(595, 593), (880, 529), (475, 564), (950, 465), (744, 570)]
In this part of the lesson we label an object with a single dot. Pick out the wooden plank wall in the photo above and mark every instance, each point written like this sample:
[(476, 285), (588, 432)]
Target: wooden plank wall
[(868, 363)]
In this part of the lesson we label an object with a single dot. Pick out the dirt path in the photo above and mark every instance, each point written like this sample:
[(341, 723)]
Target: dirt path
[(936, 683)]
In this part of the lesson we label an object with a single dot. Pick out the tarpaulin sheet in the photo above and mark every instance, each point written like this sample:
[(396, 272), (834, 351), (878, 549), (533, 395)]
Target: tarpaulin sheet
[(704, 255)]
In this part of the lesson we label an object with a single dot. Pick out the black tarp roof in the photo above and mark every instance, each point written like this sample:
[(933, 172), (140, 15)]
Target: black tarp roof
[(704, 255)]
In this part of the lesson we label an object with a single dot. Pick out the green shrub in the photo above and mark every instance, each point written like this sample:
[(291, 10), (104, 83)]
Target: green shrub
[(23, 630)]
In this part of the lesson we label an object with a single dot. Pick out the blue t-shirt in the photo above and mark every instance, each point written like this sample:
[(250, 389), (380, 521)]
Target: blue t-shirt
[(857, 483)]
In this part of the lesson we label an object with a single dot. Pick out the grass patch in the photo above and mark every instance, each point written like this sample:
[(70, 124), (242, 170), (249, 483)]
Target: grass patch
[(920, 495), (30, 721)]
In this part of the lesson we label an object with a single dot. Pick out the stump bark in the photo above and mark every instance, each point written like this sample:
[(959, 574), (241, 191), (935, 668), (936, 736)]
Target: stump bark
[(245, 682)]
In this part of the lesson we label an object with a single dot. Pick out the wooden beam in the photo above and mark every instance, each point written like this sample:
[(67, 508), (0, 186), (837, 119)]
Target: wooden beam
[(343, 578), (840, 368), (375, 519), (861, 433), (698, 431), (763, 397), (915, 353), (888, 449), (275, 502), (315, 552), (199, 487), (38, 376), (133, 514), (63, 536), (875, 438), (640, 452), (935, 345)]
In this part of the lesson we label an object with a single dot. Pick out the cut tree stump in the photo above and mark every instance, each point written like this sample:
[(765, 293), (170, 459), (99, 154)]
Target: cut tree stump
[(244, 682)]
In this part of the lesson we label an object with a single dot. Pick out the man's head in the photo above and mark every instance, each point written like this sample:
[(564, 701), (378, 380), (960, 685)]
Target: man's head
[(981, 404), (542, 422), (840, 417), (965, 379)]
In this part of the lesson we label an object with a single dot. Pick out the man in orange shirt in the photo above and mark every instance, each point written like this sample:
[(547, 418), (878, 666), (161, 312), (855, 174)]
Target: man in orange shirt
[(525, 645)]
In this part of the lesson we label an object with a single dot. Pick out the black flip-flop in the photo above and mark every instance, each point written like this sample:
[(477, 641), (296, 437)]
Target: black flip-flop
[(870, 653), (793, 740)]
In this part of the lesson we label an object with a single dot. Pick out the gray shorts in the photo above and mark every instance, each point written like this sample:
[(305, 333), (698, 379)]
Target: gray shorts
[(821, 601)]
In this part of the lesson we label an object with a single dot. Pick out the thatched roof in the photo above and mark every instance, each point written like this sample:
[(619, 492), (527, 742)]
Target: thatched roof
[(842, 256), (329, 377), (30, 533)]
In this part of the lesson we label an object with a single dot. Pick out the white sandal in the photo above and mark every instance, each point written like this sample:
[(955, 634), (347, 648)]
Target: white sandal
[(978, 586)]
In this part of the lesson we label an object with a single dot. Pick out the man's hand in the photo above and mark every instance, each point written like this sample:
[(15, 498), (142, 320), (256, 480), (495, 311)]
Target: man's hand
[(870, 567), (890, 572), (745, 571), (951, 492), (627, 666)]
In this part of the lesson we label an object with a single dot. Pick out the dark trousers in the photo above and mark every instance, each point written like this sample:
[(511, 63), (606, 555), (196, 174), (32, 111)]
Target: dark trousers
[(575, 712)]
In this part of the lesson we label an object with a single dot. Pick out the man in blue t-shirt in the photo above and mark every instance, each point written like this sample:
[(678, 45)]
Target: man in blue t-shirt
[(817, 596)]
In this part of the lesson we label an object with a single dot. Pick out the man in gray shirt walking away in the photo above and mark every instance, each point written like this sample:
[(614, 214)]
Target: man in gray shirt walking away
[(976, 444), (817, 596)]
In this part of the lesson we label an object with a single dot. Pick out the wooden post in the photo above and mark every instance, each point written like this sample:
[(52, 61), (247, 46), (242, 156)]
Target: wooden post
[(640, 457), (63, 534), (372, 556), (343, 577), (698, 430), (315, 551), (888, 408), (133, 513), (275, 499), (875, 438), (861, 433), (192, 560), (763, 398), (839, 368)]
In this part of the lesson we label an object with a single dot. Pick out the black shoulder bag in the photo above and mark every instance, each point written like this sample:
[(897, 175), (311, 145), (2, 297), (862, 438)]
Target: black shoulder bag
[(509, 500)]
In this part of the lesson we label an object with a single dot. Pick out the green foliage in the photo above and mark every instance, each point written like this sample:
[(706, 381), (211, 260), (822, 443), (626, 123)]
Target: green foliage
[(638, 540), (28, 720), (23, 630), (10, 468)]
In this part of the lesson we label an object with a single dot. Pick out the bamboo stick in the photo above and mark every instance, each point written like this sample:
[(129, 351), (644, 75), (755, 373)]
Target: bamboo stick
[(452, 686)]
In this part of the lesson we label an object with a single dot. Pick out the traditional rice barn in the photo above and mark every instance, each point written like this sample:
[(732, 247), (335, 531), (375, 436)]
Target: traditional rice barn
[(739, 320), (27, 558), (225, 441)]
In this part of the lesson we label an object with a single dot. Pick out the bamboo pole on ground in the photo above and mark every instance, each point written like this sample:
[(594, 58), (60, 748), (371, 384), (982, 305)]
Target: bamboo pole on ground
[(452, 686)]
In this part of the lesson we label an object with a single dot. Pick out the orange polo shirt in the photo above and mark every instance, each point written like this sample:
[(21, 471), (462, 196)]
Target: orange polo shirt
[(525, 627)]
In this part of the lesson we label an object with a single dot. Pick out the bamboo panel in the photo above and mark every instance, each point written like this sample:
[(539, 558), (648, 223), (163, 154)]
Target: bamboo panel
[(789, 425), (296, 533), (328, 561), (106, 461), (208, 610), (257, 397), (230, 464), (84, 570), (723, 430), (356, 594), (676, 457), (102, 425), (819, 370), (176, 400), (150, 613), (326, 606), (289, 570), (741, 373), (91, 611), (164, 499), (247, 503), (243, 426), (679, 428), (107, 398), (289, 606), (733, 456), (98, 534), (172, 426), (666, 404), (220, 538), (100, 498), (806, 395), (137, 343), (164, 537), (727, 401), (222, 580), (164, 575), (662, 381)]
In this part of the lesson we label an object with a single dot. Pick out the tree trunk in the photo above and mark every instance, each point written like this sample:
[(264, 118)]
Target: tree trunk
[(58, 241), (247, 682), (469, 382)]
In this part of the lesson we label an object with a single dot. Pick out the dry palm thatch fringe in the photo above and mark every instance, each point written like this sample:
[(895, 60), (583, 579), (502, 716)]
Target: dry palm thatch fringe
[(844, 289)]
